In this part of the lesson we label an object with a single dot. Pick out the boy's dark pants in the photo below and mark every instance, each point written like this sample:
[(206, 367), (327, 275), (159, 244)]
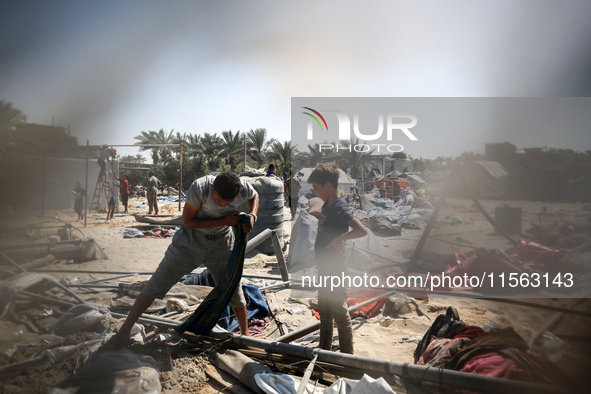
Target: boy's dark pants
[(332, 304)]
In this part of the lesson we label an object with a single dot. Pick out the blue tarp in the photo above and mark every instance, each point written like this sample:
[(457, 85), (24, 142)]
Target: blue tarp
[(256, 306)]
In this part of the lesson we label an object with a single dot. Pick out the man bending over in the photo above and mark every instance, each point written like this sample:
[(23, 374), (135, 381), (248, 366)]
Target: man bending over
[(206, 237)]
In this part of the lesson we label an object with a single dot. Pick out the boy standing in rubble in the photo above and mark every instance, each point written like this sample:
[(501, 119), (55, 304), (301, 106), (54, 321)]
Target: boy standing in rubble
[(333, 231)]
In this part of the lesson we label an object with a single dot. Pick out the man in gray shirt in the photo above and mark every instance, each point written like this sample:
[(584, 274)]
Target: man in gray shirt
[(152, 193), (205, 238)]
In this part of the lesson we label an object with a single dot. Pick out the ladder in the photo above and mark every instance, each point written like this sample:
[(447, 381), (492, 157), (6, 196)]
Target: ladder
[(103, 186)]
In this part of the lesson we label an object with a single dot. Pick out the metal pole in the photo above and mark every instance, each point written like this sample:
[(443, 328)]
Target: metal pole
[(280, 257), (307, 374), (244, 154), (416, 373), (274, 286), (131, 273), (483, 211), (86, 184), (259, 239), (552, 323), (107, 279), (181, 177), (44, 165), (415, 256)]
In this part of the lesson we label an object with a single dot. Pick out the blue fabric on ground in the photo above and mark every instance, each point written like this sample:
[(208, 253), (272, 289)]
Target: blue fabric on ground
[(256, 306)]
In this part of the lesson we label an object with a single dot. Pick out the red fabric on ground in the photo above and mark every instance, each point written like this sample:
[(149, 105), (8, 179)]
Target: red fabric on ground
[(467, 332), (476, 265), (441, 350), (495, 365), (541, 257), (357, 296)]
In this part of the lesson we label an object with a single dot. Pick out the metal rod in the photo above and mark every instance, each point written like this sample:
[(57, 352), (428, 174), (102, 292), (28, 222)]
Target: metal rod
[(181, 177), (148, 317), (43, 172), (86, 185), (259, 239), (415, 256), (13, 262), (51, 279), (94, 272), (458, 294), (307, 374), (275, 285), (551, 323), (47, 299), (106, 279), (70, 292), (280, 256), (483, 211), (94, 286), (131, 273), (439, 376)]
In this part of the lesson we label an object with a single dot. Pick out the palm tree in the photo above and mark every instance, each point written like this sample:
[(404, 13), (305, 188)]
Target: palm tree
[(283, 154), (147, 138), (10, 117), (231, 147), (159, 153), (353, 160), (132, 159), (191, 144), (211, 148), (315, 155), (257, 145)]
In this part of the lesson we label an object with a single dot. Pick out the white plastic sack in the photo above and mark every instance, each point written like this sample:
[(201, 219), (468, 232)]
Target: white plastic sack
[(301, 242), (285, 384), (272, 383), (82, 317)]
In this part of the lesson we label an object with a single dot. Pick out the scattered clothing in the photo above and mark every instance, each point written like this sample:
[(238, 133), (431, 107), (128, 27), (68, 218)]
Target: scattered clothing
[(256, 306), (441, 350), (495, 341)]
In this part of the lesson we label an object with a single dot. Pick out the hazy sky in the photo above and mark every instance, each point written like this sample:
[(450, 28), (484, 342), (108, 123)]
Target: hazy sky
[(110, 69)]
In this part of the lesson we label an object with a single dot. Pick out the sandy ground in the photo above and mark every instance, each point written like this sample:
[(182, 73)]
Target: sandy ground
[(386, 337)]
